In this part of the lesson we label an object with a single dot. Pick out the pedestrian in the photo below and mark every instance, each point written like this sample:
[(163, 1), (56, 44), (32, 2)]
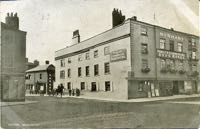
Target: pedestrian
[(77, 92), (73, 92), (61, 89), (70, 92)]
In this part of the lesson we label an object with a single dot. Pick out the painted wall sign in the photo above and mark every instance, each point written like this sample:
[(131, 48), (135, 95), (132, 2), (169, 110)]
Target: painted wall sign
[(169, 54), (118, 55), (171, 36)]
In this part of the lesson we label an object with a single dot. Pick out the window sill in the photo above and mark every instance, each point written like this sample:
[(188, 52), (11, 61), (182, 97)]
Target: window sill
[(96, 75), (107, 73), (144, 34)]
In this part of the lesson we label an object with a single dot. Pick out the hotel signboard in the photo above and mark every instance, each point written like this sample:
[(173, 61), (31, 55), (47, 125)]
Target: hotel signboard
[(118, 55), (171, 55), (171, 36)]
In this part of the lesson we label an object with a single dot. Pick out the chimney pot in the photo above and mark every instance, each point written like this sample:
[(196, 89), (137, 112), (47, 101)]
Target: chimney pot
[(135, 18)]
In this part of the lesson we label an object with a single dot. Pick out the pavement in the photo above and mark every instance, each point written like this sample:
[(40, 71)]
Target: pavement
[(129, 100), (3, 104)]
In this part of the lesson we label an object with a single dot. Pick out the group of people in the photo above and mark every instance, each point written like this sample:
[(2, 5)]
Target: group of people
[(60, 89), (74, 92)]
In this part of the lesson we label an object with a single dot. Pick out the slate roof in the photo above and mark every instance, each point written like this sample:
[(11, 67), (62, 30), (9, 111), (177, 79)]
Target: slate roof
[(39, 68)]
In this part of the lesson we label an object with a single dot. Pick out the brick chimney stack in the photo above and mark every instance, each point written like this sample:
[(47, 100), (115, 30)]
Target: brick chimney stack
[(117, 17), (76, 37)]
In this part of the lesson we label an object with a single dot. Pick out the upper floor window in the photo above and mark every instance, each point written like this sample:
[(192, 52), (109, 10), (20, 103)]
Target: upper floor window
[(180, 47), (68, 72), (144, 63), (143, 30), (107, 50), (79, 71), (107, 68), (194, 67), (80, 57), (62, 74), (171, 45), (95, 53), (193, 42), (96, 69), (69, 60), (163, 63), (193, 55), (62, 62), (162, 44), (144, 48), (40, 76), (87, 70), (180, 65), (87, 55), (172, 64)]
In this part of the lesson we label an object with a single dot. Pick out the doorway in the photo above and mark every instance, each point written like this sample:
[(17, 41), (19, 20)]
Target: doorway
[(175, 87), (93, 86)]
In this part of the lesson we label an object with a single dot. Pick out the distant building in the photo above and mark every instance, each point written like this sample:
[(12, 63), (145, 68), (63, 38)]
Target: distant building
[(134, 59), (40, 79), (30, 65), (13, 54)]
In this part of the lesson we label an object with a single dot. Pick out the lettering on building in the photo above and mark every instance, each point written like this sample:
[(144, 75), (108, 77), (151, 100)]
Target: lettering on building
[(171, 55), (171, 36), (118, 55)]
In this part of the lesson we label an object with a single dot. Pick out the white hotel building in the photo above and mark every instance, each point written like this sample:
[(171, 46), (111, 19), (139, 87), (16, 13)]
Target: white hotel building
[(133, 59)]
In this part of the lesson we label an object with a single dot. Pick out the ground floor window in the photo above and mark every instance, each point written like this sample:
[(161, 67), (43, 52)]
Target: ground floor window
[(141, 85), (107, 86), (69, 85), (93, 86), (82, 85)]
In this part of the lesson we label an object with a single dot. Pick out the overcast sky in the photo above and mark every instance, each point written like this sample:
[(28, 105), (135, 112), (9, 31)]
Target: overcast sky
[(50, 23)]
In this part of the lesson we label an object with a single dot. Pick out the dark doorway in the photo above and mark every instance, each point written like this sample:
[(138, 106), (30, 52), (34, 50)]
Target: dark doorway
[(175, 87), (94, 86), (195, 87)]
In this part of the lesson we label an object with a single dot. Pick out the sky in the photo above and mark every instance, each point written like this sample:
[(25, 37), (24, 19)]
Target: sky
[(50, 23)]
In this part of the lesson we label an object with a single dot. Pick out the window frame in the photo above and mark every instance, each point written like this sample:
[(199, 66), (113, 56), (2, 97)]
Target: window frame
[(40, 75), (107, 50), (62, 63), (68, 72), (79, 72), (144, 48), (171, 43), (144, 30), (96, 54), (162, 39), (145, 63), (163, 64), (87, 55), (62, 74), (96, 70), (107, 71), (178, 46), (87, 71), (82, 85), (107, 87)]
